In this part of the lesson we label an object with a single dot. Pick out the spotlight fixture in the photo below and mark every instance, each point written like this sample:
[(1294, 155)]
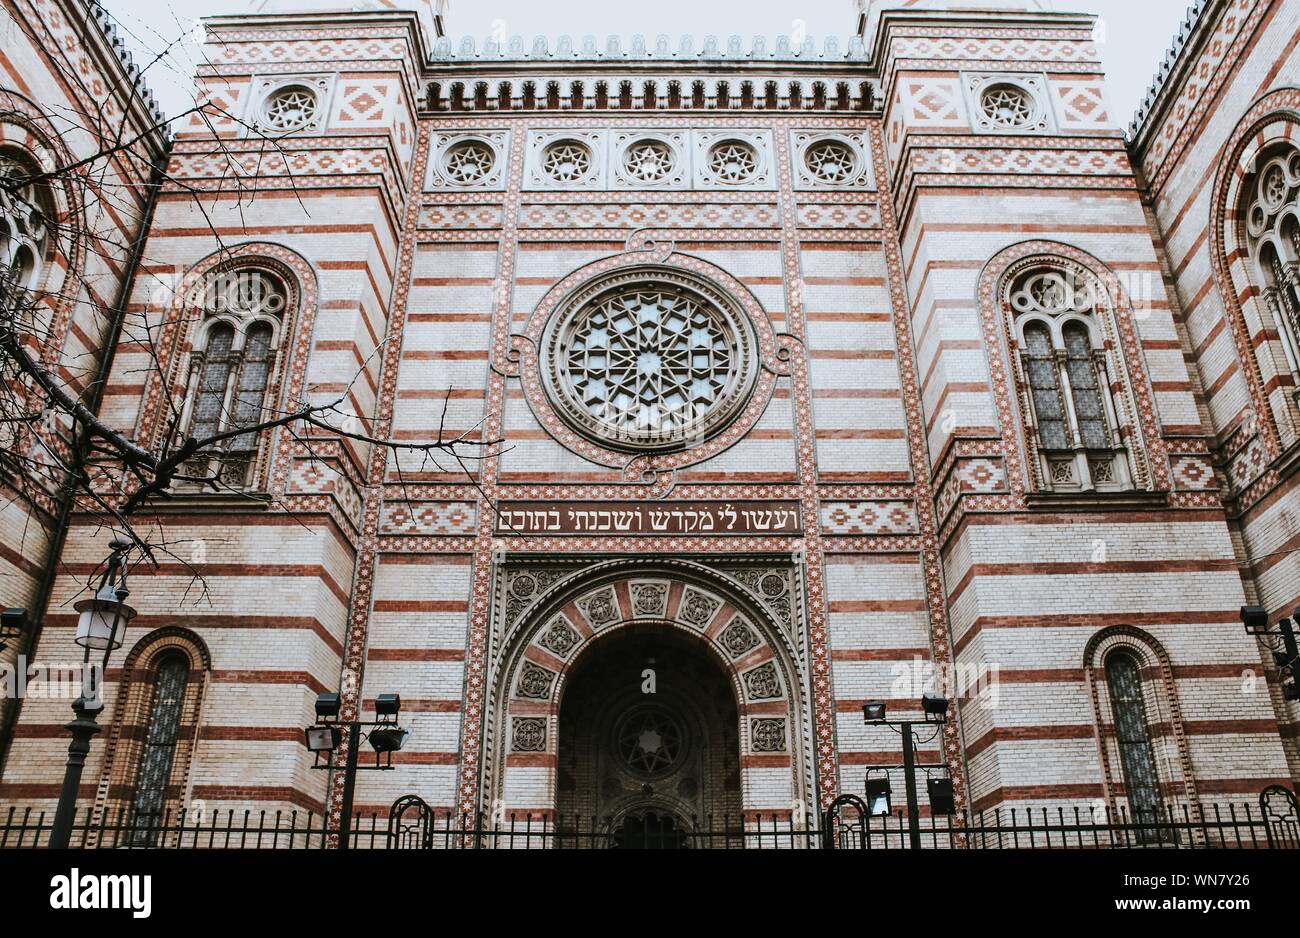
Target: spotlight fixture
[(387, 706), (878, 791), (935, 707), (1255, 619), (328, 706), (388, 740), (12, 621), (941, 797), (323, 739), (873, 711)]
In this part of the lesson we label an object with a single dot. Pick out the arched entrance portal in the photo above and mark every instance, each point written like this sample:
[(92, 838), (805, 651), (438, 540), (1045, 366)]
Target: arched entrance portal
[(648, 746), (589, 628)]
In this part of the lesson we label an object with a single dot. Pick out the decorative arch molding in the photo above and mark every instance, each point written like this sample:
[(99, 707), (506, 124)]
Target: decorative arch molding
[(1273, 118), (546, 618), (24, 127), (1139, 423), (176, 342), (525, 356), (131, 711), (1160, 701)]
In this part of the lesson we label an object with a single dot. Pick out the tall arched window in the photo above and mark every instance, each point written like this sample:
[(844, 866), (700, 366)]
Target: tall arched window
[(24, 234), (234, 358), (1133, 736), (157, 756), (1272, 223), (1065, 380)]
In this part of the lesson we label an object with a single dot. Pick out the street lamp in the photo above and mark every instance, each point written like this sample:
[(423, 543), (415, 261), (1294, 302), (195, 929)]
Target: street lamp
[(101, 627), (934, 707), (325, 735), (1255, 620)]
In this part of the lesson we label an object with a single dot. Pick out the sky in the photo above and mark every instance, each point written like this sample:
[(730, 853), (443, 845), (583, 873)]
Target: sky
[(1133, 34)]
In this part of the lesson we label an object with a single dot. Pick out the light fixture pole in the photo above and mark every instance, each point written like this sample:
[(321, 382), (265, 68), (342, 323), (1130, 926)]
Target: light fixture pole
[(101, 626), (935, 708), (385, 736), (1255, 620)]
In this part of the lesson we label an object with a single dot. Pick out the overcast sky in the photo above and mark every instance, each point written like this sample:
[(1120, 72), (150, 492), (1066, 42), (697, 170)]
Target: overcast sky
[(1134, 34)]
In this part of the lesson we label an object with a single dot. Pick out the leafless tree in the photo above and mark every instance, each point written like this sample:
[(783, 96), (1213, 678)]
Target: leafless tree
[(56, 450)]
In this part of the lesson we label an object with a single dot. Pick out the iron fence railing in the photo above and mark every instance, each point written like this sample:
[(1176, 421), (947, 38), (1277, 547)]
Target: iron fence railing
[(413, 825)]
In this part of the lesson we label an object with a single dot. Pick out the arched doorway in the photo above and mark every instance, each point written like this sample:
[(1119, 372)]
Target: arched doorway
[(572, 624), (648, 740)]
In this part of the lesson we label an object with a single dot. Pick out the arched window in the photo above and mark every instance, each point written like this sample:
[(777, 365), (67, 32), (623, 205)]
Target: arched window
[(1065, 378), (24, 235), (1271, 213), (157, 756), (150, 742), (1133, 737), (241, 319)]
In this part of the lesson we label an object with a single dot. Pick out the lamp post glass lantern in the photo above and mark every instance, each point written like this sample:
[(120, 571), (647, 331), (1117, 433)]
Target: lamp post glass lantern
[(101, 627)]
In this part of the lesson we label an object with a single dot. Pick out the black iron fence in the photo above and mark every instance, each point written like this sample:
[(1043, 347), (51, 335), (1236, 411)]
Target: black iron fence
[(411, 824)]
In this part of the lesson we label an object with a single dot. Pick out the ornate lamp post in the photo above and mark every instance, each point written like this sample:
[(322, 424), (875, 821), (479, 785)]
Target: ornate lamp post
[(101, 627)]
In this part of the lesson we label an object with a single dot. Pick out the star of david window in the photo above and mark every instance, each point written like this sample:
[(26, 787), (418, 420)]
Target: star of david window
[(1008, 107), (648, 161), (649, 359), (732, 161), (290, 108), (649, 741), (468, 162), (831, 161), (566, 160)]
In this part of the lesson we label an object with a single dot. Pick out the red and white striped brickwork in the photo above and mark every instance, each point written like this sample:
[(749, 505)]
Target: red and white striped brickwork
[(885, 414), (64, 89)]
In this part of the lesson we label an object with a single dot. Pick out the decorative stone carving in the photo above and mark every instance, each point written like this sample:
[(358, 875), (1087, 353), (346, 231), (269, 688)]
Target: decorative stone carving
[(600, 608), (535, 681), (840, 161), (565, 159), (475, 160), (697, 608), (649, 159), (528, 734), (767, 735), (649, 599), (733, 159), (523, 587), (289, 104), (559, 637), (738, 638), (1008, 103), (762, 682), (772, 587)]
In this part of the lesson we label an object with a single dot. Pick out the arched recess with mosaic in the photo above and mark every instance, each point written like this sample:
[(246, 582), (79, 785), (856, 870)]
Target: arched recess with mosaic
[(647, 685), (1255, 292), (1035, 293)]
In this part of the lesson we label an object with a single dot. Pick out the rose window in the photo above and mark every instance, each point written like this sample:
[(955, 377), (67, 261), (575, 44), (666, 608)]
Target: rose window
[(566, 161), (468, 161), (290, 108), (649, 740), (648, 161), (648, 362), (1008, 107), (732, 161), (831, 161)]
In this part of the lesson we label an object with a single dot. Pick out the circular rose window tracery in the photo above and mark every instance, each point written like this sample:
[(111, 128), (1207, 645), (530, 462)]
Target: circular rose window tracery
[(1007, 106), (649, 359), (290, 108)]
